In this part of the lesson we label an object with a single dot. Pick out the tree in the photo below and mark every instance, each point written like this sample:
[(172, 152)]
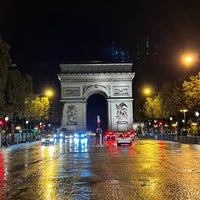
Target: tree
[(28, 85), (15, 93), (168, 105), (138, 110), (5, 61), (153, 107), (191, 90), (37, 107)]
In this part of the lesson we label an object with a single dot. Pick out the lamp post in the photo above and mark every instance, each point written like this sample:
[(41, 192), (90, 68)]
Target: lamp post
[(171, 119), (49, 93), (27, 124), (197, 115), (184, 116), (190, 59)]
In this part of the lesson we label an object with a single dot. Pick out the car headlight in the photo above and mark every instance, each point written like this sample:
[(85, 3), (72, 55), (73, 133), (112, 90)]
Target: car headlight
[(43, 140), (75, 135)]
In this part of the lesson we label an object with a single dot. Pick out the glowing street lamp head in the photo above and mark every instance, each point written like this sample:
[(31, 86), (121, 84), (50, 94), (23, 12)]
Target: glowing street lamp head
[(147, 91), (49, 93), (189, 58)]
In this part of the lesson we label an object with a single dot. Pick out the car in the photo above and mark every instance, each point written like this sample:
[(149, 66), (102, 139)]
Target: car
[(58, 135), (110, 135), (80, 135), (47, 140), (131, 133), (124, 138)]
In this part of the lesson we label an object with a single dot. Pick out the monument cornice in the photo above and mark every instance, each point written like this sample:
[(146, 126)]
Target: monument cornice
[(94, 67), (83, 77)]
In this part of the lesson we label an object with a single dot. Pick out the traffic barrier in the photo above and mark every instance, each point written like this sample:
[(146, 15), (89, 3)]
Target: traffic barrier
[(181, 139)]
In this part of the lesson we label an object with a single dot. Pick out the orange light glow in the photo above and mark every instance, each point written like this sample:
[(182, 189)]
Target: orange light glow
[(189, 58)]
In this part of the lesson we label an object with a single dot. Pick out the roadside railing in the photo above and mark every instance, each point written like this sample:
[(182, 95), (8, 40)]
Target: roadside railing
[(181, 139)]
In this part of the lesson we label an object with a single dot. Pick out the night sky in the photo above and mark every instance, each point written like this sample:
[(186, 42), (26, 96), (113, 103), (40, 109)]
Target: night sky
[(43, 34)]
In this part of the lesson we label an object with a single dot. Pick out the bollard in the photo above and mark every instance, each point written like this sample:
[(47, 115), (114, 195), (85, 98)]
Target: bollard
[(101, 143)]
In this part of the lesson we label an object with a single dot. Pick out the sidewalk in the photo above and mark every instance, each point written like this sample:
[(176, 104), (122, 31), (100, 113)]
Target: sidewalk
[(10, 146)]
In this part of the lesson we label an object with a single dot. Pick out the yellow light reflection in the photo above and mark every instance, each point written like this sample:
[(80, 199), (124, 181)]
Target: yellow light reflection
[(153, 164), (50, 165)]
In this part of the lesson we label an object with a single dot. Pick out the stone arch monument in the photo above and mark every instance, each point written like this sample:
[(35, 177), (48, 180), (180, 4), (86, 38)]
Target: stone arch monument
[(112, 80)]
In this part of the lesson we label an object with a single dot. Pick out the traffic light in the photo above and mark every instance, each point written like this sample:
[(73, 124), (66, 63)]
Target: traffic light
[(2, 122), (41, 126), (98, 119), (160, 122)]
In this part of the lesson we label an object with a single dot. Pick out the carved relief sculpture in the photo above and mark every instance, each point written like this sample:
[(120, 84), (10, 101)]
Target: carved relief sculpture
[(120, 91), (71, 115), (71, 91), (122, 112)]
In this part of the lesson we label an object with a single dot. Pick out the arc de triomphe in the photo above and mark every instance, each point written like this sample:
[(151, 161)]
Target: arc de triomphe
[(112, 80)]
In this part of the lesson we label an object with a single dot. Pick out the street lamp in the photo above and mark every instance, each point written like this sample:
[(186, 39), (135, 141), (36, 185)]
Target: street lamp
[(27, 124), (190, 59), (184, 115), (49, 93), (147, 91), (197, 115)]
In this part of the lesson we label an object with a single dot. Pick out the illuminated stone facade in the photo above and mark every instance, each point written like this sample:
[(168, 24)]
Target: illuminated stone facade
[(112, 80)]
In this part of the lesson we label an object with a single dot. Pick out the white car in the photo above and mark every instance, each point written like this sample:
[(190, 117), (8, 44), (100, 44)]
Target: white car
[(47, 140), (124, 138)]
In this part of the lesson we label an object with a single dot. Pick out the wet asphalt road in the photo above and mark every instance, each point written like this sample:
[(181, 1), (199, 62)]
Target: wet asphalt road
[(75, 170)]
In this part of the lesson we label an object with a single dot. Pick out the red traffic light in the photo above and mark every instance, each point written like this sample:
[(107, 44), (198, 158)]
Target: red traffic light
[(160, 123), (2, 122)]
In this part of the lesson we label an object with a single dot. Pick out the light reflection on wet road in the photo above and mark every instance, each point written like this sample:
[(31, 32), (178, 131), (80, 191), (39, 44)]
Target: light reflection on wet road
[(78, 170)]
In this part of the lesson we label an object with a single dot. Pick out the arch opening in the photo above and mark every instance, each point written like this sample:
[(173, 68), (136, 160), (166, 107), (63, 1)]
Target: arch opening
[(97, 105)]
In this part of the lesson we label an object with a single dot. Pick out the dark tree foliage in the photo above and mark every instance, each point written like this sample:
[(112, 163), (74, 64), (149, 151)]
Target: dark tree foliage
[(5, 61), (15, 93)]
